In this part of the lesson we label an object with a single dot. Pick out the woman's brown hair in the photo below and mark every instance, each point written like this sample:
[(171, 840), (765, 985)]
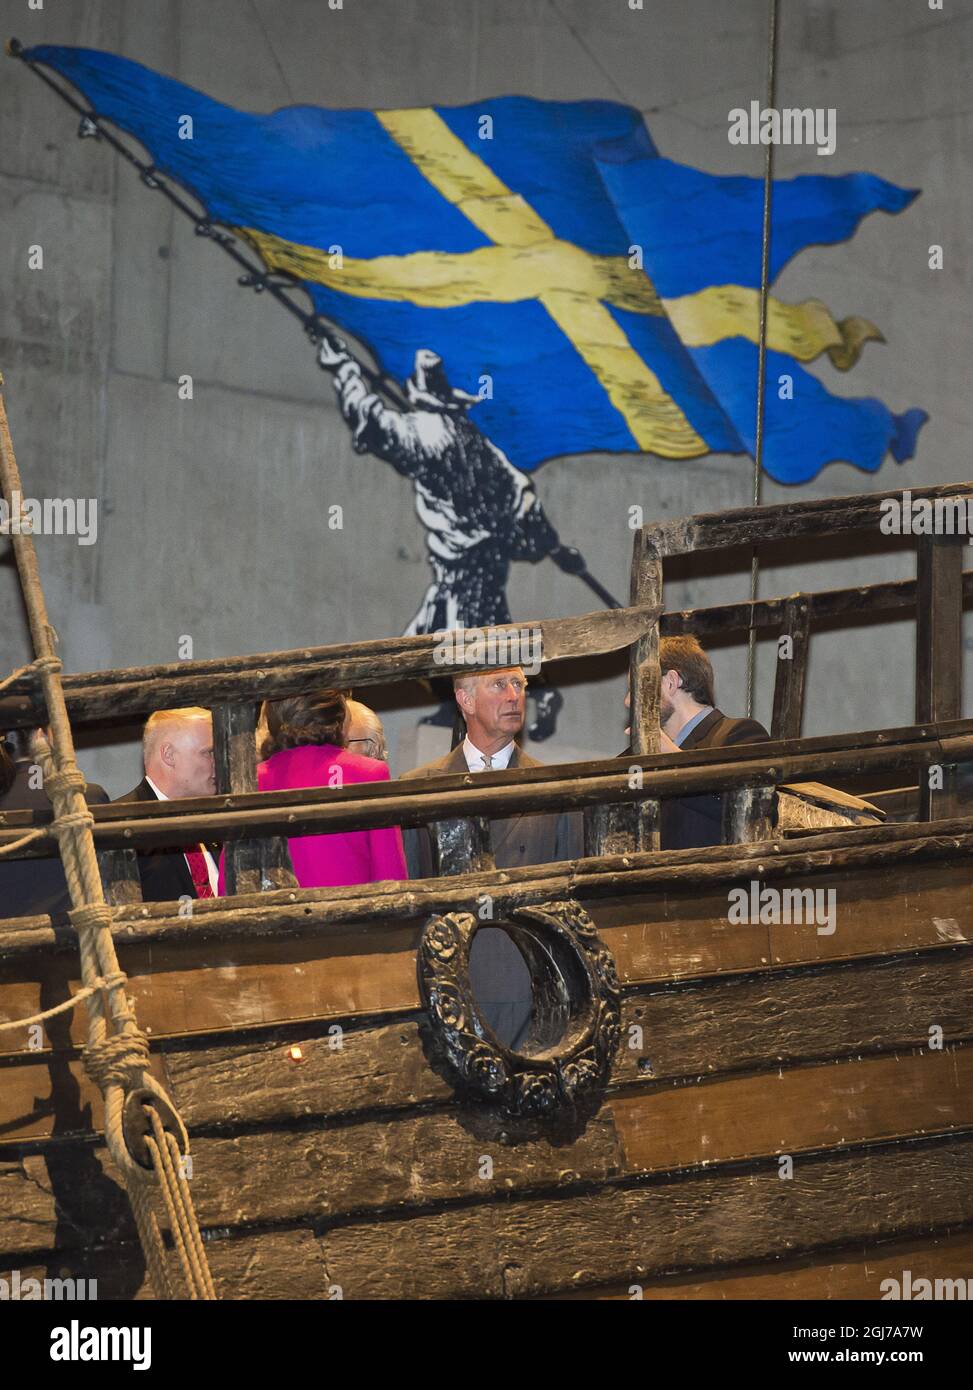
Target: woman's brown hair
[(302, 720)]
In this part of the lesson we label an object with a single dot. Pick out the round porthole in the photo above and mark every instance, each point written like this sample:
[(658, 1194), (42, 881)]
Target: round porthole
[(561, 1046)]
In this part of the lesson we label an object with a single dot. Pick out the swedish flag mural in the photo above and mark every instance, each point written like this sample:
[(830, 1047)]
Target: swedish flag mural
[(544, 284), (590, 294)]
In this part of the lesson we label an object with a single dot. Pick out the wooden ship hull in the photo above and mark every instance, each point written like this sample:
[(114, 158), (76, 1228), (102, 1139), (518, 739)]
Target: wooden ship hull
[(709, 1108), (331, 1163)]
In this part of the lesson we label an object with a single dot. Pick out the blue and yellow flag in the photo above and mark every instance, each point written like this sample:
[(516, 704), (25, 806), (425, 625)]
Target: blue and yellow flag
[(608, 295)]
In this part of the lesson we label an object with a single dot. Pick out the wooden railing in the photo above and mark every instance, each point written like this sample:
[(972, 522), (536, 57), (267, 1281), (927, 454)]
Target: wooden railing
[(619, 798), (936, 596)]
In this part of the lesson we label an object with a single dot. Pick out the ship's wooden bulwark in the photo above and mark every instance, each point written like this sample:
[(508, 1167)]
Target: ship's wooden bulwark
[(358, 1170)]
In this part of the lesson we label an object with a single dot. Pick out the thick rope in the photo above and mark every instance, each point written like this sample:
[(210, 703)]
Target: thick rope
[(117, 1052), (63, 1008)]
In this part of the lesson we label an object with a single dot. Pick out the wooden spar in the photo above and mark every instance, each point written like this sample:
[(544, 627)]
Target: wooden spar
[(322, 810), (309, 910), (746, 526), (642, 821), (863, 602), (136, 691), (792, 670)]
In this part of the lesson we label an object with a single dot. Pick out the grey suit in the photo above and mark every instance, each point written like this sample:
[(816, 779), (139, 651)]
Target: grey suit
[(498, 972)]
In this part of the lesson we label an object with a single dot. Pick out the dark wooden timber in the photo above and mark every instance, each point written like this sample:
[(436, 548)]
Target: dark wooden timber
[(462, 846), (136, 691), (495, 795), (679, 1031), (939, 656), (249, 865), (270, 914), (791, 675), (791, 521), (749, 815), (862, 603)]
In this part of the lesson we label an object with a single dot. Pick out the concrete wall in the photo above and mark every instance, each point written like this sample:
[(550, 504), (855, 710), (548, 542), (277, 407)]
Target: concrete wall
[(212, 510)]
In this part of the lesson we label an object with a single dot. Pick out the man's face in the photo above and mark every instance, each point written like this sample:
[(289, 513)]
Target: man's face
[(496, 705), (187, 752)]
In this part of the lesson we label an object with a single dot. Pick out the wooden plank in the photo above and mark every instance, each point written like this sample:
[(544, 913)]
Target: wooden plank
[(322, 810), (369, 969), (797, 1110), (680, 1031), (523, 1248), (859, 604), (128, 693), (791, 677), (470, 1153), (285, 1264), (857, 1274), (789, 521)]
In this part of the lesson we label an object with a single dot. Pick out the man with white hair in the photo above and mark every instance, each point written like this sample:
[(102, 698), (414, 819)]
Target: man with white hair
[(492, 704), (177, 753), (363, 731)]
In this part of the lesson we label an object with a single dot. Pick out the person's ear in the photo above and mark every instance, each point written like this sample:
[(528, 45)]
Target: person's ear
[(168, 754)]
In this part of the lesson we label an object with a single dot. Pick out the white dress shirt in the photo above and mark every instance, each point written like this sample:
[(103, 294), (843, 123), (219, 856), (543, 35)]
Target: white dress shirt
[(474, 758), (211, 869)]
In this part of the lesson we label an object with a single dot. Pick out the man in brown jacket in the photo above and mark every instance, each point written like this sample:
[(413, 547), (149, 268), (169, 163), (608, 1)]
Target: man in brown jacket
[(493, 705)]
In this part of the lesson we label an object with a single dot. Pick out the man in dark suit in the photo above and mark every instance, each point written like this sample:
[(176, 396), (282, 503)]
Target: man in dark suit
[(177, 752), (690, 719), (493, 706), (29, 886)]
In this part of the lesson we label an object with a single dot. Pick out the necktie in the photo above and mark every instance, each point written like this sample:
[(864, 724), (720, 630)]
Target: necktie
[(196, 860), (487, 761)]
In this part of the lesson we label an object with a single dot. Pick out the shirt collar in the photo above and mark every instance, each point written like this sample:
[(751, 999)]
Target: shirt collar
[(687, 728), (161, 795), (474, 758)]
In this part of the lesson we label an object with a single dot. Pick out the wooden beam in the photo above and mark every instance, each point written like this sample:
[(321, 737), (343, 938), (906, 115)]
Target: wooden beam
[(322, 811), (792, 660), (791, 520), (272, 916), (130, 692)]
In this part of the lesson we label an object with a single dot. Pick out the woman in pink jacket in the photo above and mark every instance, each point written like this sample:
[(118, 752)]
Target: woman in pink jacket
[(303, 748)]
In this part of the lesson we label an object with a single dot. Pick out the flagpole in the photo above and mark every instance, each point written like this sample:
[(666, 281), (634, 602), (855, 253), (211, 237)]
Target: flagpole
[(255, 276), (758, 453)]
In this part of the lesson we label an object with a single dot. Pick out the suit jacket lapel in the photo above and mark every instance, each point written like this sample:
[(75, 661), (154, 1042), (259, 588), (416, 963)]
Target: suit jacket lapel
[(697, 738)]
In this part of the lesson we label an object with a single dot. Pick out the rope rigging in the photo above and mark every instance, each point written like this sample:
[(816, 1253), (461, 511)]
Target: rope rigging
[(116, 1055)]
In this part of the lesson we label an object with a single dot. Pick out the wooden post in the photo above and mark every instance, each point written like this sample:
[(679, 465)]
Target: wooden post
[(615, 828), (120, 879), (792, 670), (939, 658), (250, 866), (748, 815), (644, 682), (462, 846)]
